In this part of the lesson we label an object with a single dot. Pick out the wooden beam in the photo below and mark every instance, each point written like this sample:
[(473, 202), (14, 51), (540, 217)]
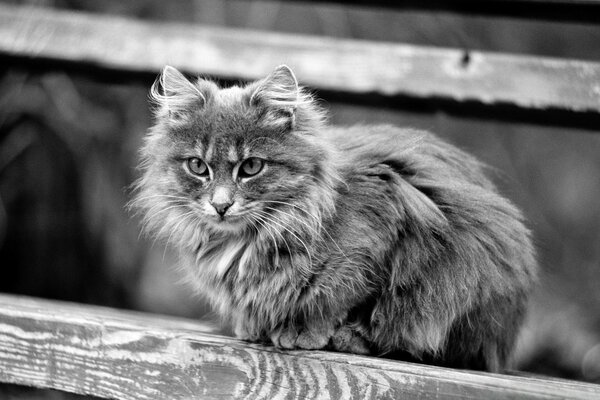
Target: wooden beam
[(118, 354), (345, 66)]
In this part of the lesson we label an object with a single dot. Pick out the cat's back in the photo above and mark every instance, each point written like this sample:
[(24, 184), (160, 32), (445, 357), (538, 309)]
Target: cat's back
[(357, 141), (363, 149)]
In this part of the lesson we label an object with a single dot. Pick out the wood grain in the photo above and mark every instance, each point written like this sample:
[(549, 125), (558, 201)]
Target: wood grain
[(348, 66), (124, 355)]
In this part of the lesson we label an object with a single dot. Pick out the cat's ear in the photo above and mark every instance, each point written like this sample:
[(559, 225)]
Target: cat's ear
[(174, 93), (278, 95)]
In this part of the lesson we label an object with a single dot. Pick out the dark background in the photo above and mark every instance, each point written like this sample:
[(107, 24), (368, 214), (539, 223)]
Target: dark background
[(68, 150)]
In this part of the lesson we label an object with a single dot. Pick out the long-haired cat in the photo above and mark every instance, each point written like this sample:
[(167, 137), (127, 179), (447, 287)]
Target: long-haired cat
[(366, 239)]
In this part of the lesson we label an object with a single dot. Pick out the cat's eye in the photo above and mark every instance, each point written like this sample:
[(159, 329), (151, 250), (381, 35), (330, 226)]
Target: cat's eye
[(250, 167), (197, 167)]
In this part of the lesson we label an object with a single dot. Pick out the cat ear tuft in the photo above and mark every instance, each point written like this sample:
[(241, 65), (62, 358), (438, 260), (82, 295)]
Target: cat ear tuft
[(280, 88), (279, 95), (174, 93)]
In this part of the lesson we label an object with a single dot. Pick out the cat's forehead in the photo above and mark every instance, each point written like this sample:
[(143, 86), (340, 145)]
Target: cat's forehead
[(229, 96), (226, 129), (224, 118), (223, 148)]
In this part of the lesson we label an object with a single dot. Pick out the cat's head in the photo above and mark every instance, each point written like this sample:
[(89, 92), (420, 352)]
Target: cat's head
[(232, 160)]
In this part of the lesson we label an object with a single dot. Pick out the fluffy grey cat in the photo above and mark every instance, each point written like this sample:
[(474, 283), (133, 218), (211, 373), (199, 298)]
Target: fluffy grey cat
[(365, 239)]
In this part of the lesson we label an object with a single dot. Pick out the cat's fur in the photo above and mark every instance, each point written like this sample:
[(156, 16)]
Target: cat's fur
[(368, 239)]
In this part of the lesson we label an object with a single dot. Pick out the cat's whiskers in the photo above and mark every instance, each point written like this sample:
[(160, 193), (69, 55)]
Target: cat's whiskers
[(267, 227), (319, 222), (275, 244), (141, 202), (170, 203), (316, 231), (157, 195), (165, 228), (170, 222), (347, 285), (183, 218), (311, 228), (261, 220), (277, 259), (169, 238), (316, 218), (152, 216), (279, 222), (196, 234)]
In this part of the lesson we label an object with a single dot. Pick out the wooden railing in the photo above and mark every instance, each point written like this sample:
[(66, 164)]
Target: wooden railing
[(116, 354), (125, 355), (491, 85)]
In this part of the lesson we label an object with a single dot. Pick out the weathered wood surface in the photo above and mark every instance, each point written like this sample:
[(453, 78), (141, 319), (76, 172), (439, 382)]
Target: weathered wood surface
[(118, 354), (347, 66)]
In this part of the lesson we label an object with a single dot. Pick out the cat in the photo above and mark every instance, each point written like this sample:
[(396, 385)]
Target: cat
[(365, 239)]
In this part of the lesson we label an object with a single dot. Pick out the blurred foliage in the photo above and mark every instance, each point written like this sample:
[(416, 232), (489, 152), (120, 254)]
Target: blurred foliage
[(68, 148)]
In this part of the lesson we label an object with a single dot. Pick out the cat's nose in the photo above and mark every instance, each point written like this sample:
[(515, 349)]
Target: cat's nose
[(221, 208), (222, 199)]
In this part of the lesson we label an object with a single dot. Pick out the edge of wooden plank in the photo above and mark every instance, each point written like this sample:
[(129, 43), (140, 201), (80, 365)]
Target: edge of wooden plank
[(119, 354), (351, 66), (76, 313)]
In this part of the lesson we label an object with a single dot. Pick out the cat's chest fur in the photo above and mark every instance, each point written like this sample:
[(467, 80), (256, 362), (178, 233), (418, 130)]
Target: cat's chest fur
[(245, 277)]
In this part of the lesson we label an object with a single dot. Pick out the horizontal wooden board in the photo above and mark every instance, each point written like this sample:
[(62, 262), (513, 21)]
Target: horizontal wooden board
[(346, 66), (117, 354)]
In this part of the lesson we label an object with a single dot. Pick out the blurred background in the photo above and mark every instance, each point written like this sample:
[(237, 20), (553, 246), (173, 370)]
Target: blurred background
[(68, 151)]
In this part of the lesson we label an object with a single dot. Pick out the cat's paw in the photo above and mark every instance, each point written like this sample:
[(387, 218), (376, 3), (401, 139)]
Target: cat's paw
[(241, 332), (347, 340), (308, 338), (284, 338)]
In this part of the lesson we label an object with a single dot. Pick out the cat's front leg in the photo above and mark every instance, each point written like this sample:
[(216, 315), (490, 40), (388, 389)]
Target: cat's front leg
[(243, 329), (313, 335)]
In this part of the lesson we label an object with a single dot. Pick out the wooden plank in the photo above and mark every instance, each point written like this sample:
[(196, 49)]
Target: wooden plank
[(553, 10), (118, 354), (345, 66)]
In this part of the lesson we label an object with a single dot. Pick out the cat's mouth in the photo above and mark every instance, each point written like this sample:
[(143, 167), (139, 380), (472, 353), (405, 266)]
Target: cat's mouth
[(226, 222)]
